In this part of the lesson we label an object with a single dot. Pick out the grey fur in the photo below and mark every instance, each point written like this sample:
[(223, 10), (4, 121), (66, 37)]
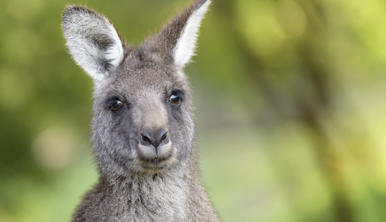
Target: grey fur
[(140, 181)]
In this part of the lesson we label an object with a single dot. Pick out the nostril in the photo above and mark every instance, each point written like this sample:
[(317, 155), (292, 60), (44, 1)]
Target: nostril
[(164, 136), (154, 138), (145, 137)]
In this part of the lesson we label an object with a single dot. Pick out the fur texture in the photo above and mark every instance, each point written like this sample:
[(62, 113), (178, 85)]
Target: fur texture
[(144, 175), (92, 40)]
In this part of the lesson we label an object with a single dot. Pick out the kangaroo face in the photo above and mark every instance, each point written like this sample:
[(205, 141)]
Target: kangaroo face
[(142, 116), (142, 109)]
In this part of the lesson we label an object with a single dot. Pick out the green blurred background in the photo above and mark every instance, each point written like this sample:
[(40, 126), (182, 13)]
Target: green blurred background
[(290, 108)]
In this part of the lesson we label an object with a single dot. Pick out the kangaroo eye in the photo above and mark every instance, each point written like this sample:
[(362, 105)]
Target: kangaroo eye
[(116, 105), (175, 99)]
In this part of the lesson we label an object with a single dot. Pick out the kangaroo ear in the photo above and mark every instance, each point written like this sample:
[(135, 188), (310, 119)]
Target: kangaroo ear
[(180, 34), (92, 40)]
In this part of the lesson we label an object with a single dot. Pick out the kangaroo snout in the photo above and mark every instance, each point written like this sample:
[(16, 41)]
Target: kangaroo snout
[(154, 144), (154, 138)]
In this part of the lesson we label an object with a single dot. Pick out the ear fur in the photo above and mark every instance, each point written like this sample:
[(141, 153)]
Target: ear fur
[(186, 43), (92, 40), (179, 36)]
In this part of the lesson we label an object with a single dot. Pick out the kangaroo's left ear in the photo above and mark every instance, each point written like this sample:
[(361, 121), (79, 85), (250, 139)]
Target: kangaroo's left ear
[(179, 36)]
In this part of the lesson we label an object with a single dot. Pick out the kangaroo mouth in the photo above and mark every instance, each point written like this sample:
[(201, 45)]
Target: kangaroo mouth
[(157, 162), (156, 158), (155, 154)]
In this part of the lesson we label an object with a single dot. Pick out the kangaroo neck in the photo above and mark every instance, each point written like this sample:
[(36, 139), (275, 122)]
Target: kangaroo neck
[(158, 197)]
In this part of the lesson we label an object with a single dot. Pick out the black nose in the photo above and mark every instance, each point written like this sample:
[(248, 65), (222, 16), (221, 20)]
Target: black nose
[(155, 137)]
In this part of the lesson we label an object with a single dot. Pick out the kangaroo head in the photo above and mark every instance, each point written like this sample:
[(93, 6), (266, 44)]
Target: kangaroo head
[(142, 102)]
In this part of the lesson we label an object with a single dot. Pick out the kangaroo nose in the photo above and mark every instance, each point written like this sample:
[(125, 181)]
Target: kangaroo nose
[(154, 138)]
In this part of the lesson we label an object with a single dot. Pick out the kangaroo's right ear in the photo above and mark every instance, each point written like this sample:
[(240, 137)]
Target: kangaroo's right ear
[(93, 41)]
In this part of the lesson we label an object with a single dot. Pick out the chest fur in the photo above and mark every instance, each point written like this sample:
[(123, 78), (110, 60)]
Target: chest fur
[(153, 199)]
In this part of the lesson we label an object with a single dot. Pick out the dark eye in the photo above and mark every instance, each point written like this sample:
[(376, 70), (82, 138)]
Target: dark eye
[(175, 99), (116, 105)]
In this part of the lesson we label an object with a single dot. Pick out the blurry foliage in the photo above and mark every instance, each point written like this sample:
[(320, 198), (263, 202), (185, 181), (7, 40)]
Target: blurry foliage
[(290, 97)]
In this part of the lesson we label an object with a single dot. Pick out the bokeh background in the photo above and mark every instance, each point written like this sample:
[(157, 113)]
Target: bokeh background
[(290, 102)]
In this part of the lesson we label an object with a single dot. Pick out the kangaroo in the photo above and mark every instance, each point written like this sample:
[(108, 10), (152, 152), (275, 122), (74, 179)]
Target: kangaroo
[(142, 127)]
